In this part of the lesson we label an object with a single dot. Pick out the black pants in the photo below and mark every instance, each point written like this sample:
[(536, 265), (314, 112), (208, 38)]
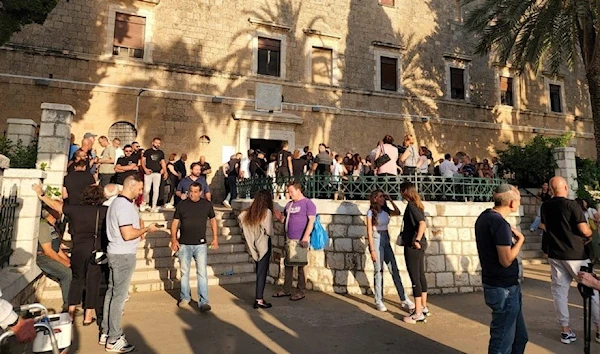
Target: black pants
[(171, 186), (105, 178), (232, 182), (262, 268), (415, 265), (85, 275)]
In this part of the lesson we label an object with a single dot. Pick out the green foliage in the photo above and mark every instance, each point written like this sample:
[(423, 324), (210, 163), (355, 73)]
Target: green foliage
[(14, 14), (20, 156), (532, 163), (588, 179)]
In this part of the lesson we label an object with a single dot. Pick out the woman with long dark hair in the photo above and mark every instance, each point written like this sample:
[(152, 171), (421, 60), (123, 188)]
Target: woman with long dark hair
[(257, 225), (172, 181), (378, 218), (415, 243), (83, 227)]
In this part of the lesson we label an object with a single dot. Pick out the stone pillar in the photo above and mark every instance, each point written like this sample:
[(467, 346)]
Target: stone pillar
[(18, 181), (54, 141), (566, 167), (21, 129)]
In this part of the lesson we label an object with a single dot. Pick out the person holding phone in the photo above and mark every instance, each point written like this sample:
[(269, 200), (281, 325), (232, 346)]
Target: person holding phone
[(378, 219)]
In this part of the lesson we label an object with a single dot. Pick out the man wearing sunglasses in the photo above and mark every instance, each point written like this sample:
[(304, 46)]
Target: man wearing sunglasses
[(127, 165)]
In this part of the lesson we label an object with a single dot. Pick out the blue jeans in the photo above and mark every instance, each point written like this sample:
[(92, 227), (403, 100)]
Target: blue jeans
[(385, 254), (508, 333), (121, 268), (58, 271), (198, 252)]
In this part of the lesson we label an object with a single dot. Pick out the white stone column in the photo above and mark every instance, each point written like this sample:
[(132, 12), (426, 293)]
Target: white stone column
[(54, 140), (21, 129), (566, 167), (25, 238)]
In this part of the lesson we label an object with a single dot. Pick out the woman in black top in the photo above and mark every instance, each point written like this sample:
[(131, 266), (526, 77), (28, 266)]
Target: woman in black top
[(298, 165), (415, 243), (172, 180), (83, 229)]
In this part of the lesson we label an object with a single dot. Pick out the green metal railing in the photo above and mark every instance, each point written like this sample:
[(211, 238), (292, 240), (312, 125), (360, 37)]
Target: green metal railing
[(8, 209), (434, 188)]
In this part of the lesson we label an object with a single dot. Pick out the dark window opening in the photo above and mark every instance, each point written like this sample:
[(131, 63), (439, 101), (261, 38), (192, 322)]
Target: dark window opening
[(129, 36), (457, 83), (389, 73), (269, 56), (506, 91), (555, 99)]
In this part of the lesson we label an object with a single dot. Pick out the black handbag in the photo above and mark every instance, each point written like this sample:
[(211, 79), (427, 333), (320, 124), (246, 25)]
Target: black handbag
[(383, 159), (98, 255)]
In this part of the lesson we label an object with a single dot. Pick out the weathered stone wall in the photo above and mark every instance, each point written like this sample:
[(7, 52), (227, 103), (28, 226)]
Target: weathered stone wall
[(452, 263)]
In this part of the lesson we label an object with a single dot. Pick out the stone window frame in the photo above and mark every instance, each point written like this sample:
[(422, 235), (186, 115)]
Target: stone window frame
[(555, 81), (148, 32), (283, 56), (396, 54), (319, 41), (507, 72), (458, 62)]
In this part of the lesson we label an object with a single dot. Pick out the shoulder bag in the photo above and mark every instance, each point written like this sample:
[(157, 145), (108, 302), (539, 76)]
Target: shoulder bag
[(295, 254), (98, 255), (382, 159)]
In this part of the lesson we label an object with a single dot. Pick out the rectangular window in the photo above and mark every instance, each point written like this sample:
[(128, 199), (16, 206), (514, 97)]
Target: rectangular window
[(322, 65), (457, 83), (506, 91), (555, 99), (387, 2), (269, 56), (389, 74), (129, 35)]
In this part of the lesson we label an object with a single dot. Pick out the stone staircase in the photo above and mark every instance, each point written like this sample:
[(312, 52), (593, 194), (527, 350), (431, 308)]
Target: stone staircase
[(157, 269), (532, 249)]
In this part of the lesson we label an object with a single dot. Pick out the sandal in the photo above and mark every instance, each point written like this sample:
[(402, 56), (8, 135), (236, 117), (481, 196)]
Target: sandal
[(281, 294), (297, 297)]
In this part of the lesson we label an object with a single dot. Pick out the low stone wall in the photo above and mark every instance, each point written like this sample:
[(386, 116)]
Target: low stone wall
[(345, 266)]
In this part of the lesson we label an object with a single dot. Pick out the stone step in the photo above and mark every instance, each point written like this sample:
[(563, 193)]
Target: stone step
[(165, 251), (532, 254), (164, 241), (213, 258), (168, 215), (167, 284), (531, 261), (222, 231), (532, 246)]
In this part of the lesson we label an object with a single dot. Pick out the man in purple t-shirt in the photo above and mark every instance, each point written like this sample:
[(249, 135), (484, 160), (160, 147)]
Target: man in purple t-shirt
[(300, 213)]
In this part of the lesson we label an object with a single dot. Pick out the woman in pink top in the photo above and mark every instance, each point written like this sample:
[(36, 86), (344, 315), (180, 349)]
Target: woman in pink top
[(390, 168)]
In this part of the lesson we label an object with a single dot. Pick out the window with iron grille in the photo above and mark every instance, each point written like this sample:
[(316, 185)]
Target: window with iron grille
[(129, 35), (555, 99), (457, 83), (389, 73), (125, 131), (269, 56), (506, 91)]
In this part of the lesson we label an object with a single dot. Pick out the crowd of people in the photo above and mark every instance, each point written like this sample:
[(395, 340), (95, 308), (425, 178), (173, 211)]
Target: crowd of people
[(386, 159)]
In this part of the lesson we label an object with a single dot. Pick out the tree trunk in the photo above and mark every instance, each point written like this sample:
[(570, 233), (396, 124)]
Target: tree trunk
[(593, 78)]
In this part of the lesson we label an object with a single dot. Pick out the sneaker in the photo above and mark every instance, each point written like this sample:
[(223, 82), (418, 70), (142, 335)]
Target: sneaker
[(144, 207), (568, 337), (205, 308), (120, 346), (414, 318), (426, 312), (168, 206), (154, 210), (407, 304), (532, 230), (226, 203), (103, 338), (598, 337), (184, 304), (381, 307)]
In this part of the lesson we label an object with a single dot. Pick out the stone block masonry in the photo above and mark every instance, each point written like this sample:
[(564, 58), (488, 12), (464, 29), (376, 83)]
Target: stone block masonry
[(345, 266)]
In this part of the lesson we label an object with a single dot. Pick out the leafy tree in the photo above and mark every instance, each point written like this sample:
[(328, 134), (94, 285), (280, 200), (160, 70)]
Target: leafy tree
[(534, 33), (14, 14), (20, 156), (531, 164)]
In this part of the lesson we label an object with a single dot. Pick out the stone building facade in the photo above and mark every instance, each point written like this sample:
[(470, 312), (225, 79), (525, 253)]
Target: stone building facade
[(212, 77)]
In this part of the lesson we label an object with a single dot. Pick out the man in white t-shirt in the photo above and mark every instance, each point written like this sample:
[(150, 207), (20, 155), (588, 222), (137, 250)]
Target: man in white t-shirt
[(447, 167), (118, 151), (124, 234)]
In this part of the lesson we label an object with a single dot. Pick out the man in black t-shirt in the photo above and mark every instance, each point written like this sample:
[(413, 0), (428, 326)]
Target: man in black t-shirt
[(231, 175), (77, 156), (126, 165), (75, 182), (190, 219), (566, 231), (284, 161), (205, 168), (500, 271), (155, 169)]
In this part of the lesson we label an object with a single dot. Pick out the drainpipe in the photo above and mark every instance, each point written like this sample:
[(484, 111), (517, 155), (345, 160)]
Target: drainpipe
[(137, 107)]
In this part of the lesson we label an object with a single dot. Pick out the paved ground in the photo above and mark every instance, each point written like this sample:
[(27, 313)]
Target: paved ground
[(329, 323)]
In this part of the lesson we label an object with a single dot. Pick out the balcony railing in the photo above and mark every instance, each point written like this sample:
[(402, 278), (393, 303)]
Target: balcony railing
[(432, 188), (8, 208)]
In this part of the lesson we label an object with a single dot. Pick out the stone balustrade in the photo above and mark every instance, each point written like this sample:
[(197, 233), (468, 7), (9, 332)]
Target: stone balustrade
[(345, 266)]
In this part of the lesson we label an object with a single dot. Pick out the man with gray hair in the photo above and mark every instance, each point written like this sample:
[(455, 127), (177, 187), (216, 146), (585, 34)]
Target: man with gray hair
[(567, 232), (111, 191), (498, 245)]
